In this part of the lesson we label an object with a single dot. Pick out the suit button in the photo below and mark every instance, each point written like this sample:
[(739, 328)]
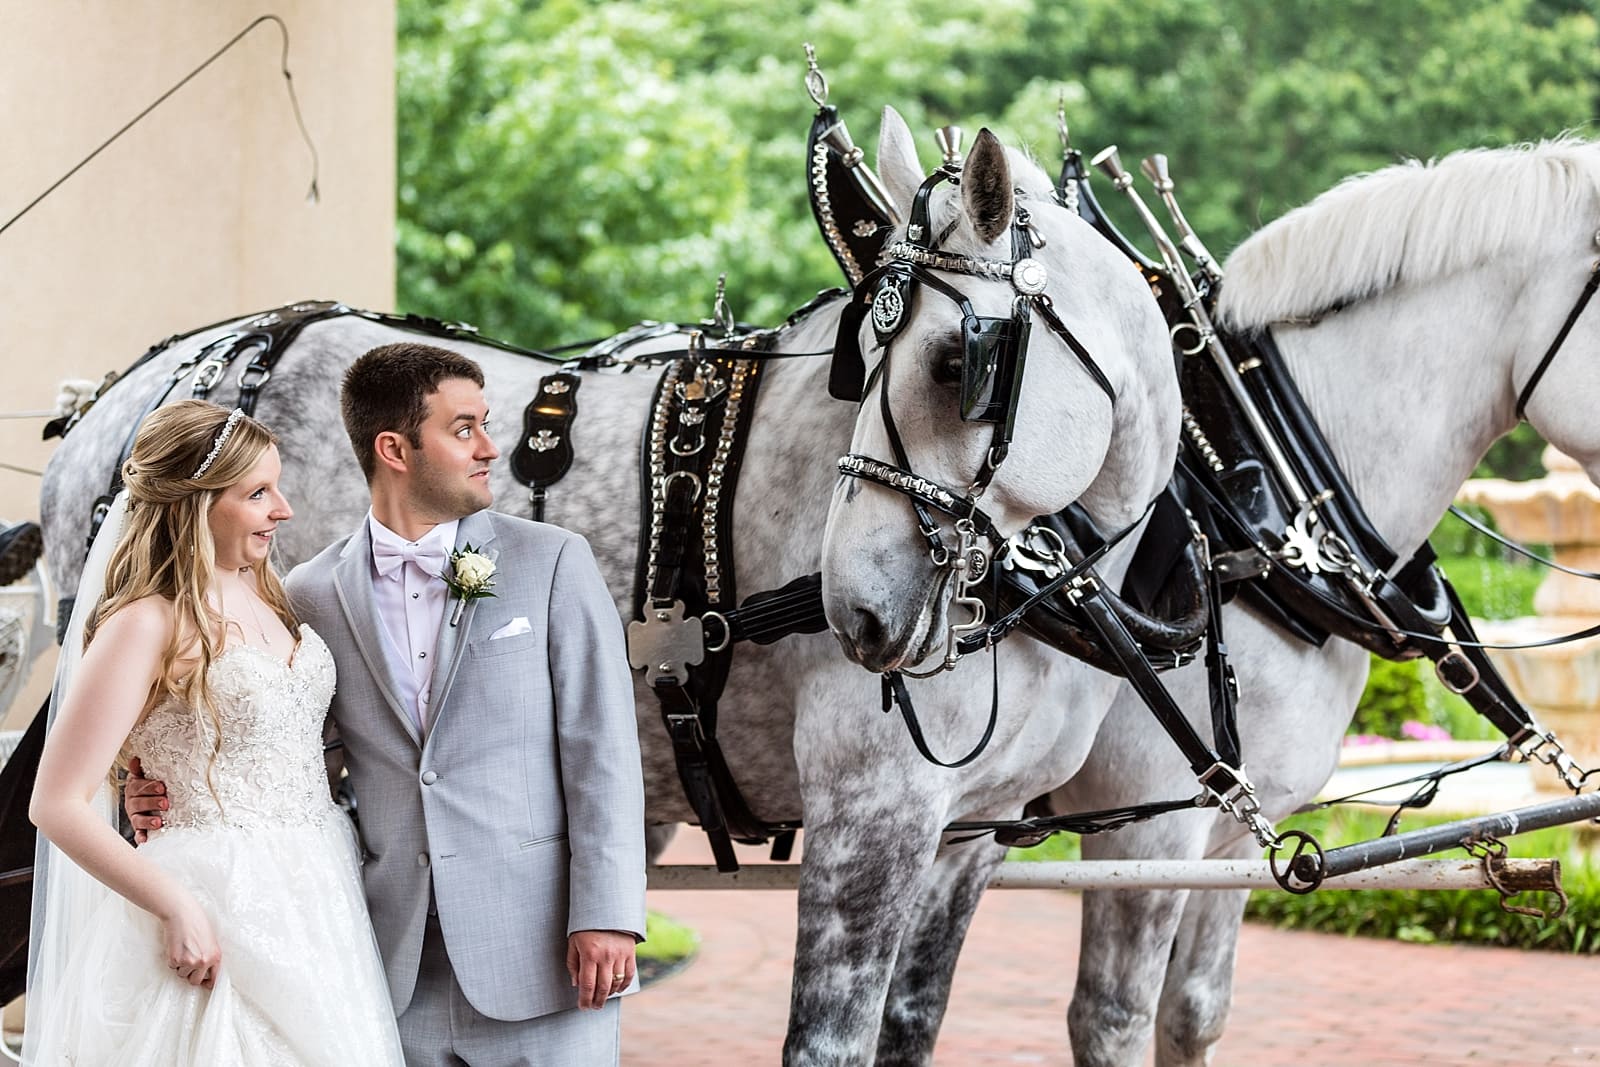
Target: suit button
[(429, 777), (422, 859)]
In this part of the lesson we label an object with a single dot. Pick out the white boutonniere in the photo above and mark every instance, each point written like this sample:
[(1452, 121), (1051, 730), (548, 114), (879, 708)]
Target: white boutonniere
[(470, 577)]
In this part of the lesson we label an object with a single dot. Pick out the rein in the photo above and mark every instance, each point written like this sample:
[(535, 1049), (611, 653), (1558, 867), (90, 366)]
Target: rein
[(1560, 338)]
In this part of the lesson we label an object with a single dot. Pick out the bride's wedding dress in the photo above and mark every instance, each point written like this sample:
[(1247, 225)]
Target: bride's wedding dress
[(253, 834)]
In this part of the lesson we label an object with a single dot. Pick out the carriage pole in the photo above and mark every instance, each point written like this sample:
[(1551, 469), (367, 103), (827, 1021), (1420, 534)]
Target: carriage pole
[(1310, 867), (1542, 874)]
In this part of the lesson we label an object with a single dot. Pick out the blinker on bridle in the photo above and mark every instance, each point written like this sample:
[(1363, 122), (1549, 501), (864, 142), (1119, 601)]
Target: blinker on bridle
[(993, 355)]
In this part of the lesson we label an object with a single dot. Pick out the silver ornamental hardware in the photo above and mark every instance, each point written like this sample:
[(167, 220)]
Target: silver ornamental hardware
[(864, 228), (705, 386), (887, 475), (830, 225), (905, 252), (948, 140), (544, 441), (557, 387), (1029, 277), (743, 370), (1038, 549), (888, 308), (666, 644)]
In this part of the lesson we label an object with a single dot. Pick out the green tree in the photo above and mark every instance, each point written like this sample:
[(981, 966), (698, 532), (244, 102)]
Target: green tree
[(569, 167)]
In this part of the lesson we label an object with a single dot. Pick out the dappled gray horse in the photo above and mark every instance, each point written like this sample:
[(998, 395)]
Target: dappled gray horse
[(1100, 431), (1413, 307), (880, 902)]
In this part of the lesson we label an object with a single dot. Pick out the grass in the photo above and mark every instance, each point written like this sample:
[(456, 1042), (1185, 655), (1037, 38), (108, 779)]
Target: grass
[(667, 940)]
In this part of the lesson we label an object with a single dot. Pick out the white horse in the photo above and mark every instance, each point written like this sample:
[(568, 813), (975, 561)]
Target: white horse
[(1412, 306), (886, 598), (799, 723), (26, 629)]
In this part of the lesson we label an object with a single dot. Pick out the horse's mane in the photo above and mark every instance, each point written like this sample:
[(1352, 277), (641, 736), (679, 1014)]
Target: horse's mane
[(1407, 224)]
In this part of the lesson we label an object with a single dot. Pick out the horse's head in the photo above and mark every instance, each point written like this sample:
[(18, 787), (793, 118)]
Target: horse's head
[(1008, 362)]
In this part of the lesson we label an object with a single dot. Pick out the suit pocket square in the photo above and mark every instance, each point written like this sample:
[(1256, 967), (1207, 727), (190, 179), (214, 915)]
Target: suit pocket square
[(518, 625)]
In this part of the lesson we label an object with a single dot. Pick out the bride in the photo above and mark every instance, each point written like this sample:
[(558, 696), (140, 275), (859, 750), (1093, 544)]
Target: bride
[(238, 935)]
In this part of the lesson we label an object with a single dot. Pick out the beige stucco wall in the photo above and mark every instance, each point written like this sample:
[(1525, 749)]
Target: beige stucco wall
[(196, 214)]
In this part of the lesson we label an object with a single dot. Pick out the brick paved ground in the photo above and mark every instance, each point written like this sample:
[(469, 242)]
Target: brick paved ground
[(1301, 1000)]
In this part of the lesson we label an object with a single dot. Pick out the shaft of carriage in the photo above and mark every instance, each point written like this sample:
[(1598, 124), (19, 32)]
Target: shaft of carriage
[(1309, 867)]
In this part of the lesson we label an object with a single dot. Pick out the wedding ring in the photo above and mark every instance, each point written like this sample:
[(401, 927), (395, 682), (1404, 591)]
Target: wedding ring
[(619, 978)]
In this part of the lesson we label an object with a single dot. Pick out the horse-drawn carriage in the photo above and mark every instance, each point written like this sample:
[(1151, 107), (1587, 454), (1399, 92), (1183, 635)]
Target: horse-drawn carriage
[(1014, 401)]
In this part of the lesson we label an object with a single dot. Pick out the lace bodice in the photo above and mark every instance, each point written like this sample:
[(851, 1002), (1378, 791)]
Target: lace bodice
[(269, 771)]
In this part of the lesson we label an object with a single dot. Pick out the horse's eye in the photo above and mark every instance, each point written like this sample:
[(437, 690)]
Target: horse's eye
[(947, 367)]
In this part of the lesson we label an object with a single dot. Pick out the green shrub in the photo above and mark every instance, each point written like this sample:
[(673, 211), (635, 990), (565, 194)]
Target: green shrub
[(1393, 695), (667, 940), (1492, 586)]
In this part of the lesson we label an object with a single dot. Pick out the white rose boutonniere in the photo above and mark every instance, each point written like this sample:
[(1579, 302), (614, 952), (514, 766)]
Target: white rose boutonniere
[(470, 577)]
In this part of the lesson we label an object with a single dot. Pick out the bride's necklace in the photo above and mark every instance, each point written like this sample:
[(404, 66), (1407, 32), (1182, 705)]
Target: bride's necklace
[(266, 642), (260, 629)]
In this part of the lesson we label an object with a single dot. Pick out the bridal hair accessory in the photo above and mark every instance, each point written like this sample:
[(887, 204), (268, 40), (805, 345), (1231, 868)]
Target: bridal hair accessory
[(470, 577), (216, 446)]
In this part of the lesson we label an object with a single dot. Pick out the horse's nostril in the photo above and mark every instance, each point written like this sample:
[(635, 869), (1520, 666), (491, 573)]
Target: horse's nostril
[(869, 630)]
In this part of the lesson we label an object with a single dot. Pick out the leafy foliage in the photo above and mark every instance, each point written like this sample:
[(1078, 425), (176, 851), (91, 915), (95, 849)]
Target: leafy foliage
[(666, 940), (567, 168), (1394, 695)]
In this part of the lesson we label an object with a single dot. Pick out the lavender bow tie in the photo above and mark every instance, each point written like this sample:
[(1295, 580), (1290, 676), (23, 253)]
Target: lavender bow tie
[(389, 557)]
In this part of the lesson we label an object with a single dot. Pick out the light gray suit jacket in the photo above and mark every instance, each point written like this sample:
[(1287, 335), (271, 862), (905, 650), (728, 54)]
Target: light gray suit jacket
[(524, 802)]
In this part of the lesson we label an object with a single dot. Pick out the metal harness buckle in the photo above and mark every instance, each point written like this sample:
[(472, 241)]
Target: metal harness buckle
[(1541, 745), (1239, 801), (1456, 660)]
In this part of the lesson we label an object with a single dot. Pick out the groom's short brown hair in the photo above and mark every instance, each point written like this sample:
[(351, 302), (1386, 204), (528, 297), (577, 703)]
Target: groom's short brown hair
[(386, 390)]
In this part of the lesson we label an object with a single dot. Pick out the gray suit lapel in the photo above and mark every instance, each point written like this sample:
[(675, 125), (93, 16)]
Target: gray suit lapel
[(478, 531), (352, 581)]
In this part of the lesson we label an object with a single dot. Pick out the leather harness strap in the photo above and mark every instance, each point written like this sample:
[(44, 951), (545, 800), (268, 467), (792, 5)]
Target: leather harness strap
[(1560, 339), (544, 454), (265, 336), (692, 454)]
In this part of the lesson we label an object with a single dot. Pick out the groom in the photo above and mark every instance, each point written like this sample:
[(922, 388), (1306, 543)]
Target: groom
[(490, 738)]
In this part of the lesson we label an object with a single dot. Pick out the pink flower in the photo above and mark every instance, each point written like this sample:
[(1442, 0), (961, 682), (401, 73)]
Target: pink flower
[(1413, 730)]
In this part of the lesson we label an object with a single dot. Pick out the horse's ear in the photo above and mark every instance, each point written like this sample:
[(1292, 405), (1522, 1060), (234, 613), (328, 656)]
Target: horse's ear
[(986, 187), (898, 166)]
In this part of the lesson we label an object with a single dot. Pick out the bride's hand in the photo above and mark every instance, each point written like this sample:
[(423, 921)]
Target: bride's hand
[(191, 945)]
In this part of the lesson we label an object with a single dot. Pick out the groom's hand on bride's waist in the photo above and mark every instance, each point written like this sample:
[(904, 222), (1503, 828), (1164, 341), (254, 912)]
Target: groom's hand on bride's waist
[(144, 799)]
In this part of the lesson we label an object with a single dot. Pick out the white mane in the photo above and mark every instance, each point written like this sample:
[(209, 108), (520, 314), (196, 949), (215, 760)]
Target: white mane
[(1409, 223)]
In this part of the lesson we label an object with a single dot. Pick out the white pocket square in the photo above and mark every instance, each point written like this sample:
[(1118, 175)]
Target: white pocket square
[(518, 625)]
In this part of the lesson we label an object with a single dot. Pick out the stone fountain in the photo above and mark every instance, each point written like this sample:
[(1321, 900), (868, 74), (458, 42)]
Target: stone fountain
[(1561, 683)]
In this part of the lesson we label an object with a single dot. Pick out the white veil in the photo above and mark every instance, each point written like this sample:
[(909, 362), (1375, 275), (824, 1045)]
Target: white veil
[(64, 897)]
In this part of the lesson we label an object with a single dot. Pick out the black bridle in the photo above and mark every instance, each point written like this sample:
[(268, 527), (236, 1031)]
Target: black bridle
[(994, 354)]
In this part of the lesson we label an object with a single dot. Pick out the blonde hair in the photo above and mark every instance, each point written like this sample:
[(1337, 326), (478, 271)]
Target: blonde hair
[(166, 548)]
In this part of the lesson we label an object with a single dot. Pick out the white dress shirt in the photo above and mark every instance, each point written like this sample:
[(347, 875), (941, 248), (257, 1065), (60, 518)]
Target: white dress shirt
[(411, 604)]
